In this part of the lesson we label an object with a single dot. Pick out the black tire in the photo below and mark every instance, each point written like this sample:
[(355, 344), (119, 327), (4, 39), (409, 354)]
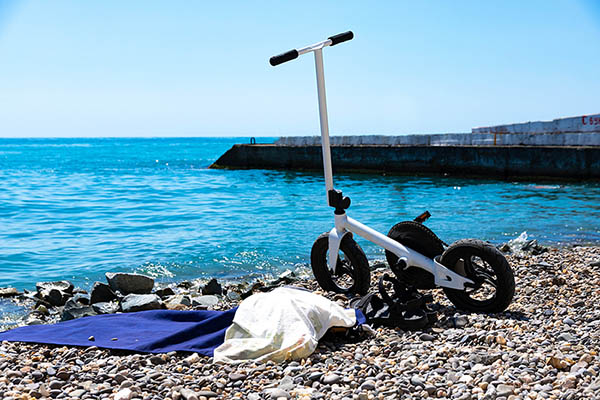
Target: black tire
[(352, 270), (484, 264), (419, 238)]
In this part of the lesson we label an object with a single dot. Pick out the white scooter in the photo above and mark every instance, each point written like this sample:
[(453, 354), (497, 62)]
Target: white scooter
[(474, 274)]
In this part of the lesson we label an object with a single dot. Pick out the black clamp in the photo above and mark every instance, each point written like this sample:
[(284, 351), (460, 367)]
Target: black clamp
[(338, 201)]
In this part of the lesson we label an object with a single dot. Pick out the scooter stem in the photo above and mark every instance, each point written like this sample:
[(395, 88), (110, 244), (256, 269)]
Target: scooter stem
[(324, 121)]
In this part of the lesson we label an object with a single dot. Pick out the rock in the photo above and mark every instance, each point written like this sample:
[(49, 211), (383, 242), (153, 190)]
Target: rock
[(277, 393), (212, 287), (368, 385), (63, 286), (54, 297), (205, 301), (330, 379), (504, 390), (287, 383), (77, 312), (286, 277), (568, 321), (426, 337), (460, 321), (558, 362), (8, 292), (567, 337), (157, 360), (55, 385), (188, 394), (106, 308), (82, 298), (141, 302), (192, 359), (315, 376), (63, 375), (177, 301), (416, 380), (164, 292), (207, 393), (236, 377), (124, 394), (102, 293), (595, 264), (130, 283)]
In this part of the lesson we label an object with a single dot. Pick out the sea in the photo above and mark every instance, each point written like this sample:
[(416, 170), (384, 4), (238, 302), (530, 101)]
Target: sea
[(77, 208)]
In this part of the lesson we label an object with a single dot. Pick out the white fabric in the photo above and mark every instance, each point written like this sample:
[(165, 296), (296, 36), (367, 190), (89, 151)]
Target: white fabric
[(284, 324)]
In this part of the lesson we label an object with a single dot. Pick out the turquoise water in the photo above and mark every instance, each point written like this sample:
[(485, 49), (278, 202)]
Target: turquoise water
[(77, 208)]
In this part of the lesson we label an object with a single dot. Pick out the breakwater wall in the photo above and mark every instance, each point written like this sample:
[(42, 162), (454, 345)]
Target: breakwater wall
[(581, 162), (580, 124), (453, 139)]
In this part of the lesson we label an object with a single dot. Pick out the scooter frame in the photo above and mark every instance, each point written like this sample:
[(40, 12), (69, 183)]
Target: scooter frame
[(443, 276)]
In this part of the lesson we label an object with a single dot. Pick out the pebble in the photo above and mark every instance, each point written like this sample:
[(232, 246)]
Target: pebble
[(545, 346), (124, 394), (330, 379)]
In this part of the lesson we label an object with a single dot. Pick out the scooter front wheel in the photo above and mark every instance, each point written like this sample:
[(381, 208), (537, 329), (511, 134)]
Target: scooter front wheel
[(485, 265), (352, 273)]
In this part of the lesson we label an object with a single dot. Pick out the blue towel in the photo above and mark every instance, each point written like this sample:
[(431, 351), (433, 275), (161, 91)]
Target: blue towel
[(156, 331)]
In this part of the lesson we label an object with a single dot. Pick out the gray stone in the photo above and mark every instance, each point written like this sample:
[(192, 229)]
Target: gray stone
[(164, 292), (8, 292), (204, 301), (460, 321), (130, 283), (63, 286), (236, 377), (368, 385), (569, 321), (76, 312), (315, 376), (212, 287), (277, 393), (330, 379), (106, 308), (504, 390), (157, 360), (426, 337), (102, 293), (178, 300), (54, 297), (567, 337), (207, 393), (82, 298), (55, 385), (141, 302), (416, 380)]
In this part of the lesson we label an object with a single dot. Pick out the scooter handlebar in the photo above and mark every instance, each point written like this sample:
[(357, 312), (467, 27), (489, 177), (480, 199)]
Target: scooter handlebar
[(293, 54), (283, 57), (341, 37)]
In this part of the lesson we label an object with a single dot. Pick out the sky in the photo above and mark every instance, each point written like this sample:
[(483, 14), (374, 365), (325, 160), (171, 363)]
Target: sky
[(180, 68)]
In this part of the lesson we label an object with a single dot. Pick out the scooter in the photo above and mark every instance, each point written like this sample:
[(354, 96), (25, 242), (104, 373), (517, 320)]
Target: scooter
[(474, 275)]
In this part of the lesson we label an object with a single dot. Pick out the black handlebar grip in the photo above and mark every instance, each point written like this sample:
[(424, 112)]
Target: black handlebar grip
[(341, 37), (283, 57)]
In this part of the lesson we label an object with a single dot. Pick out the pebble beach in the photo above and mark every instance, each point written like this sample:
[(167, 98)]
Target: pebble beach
[(545, 346)]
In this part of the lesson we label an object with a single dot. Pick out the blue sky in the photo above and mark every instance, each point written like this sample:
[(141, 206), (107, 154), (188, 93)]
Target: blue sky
[(181, 68)]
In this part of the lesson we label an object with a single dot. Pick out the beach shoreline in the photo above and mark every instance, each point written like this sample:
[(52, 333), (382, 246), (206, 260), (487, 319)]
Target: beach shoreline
[(544, 346)]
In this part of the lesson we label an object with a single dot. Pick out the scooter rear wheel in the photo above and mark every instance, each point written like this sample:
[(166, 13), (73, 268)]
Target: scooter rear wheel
[(352, 273), (487, 267)]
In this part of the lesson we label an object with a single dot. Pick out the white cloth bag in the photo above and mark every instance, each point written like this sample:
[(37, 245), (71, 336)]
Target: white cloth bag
[(284, 324)]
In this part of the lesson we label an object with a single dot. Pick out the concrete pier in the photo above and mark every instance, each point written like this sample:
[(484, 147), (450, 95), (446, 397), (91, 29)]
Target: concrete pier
[(570, 162)]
